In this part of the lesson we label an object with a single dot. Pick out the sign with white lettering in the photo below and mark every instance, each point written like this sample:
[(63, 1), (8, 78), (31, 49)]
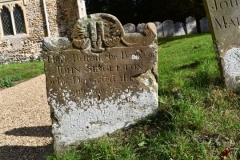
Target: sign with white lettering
[(100, 81), (224, 19)]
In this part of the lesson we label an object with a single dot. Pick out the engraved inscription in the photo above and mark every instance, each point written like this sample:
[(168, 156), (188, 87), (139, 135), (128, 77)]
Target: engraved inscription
[(221, 19), (225, 4), (91, 73), (104, 79), (226, 22)]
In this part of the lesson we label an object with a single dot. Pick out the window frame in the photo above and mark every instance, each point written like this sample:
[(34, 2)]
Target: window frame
[(10, 6)]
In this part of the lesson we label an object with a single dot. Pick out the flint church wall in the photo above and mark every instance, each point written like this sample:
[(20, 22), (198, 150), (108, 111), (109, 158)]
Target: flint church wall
[(23, 47)]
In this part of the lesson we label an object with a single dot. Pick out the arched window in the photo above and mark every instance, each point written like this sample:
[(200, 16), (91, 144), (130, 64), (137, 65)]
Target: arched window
[(6, 21), (19, 20), (13, 20)]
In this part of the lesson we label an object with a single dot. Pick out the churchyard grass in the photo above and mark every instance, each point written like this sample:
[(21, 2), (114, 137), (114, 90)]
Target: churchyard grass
[(14, 73), (198, 117)]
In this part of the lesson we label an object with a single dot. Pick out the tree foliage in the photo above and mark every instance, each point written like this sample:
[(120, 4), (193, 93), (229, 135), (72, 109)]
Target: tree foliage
[(143, 11)]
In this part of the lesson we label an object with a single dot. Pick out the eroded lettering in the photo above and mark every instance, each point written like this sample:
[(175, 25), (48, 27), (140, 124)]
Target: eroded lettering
[(103, 79), (226, 23), (86, 58), (225, 4), (68, 70)]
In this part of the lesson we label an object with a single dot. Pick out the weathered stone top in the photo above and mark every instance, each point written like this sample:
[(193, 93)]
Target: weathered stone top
[(224, 19), (100, 49)]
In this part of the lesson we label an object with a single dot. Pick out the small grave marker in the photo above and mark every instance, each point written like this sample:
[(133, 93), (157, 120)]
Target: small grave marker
[(204, 25), (129, 28), (168, 28), (159, 29), (191, 25), (140, 27), (179, 29)]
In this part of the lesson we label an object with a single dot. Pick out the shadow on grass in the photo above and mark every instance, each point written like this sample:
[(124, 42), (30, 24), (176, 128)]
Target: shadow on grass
[(191, 65), (164, 40), (204, 79), (161, 121)]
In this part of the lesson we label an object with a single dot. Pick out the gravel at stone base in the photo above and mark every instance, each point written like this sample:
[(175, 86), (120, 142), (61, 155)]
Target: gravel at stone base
[(25, 123)]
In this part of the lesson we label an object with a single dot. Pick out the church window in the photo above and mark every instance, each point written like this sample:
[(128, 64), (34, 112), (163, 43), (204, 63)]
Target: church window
[(13, 20)]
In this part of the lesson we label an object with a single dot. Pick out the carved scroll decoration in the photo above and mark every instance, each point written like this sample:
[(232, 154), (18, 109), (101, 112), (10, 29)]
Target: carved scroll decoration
[(97, 32), (55, 44)]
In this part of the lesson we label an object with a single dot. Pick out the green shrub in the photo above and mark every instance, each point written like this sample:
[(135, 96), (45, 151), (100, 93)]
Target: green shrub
[(9, 81)]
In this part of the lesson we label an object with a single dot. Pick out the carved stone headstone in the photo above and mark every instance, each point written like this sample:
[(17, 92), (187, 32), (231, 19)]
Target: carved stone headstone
[(204, 25), (129, 28), (159, 29), (191, 25), (168, 28), (179, 29), (140, 27), (100, 81), (224, 21)]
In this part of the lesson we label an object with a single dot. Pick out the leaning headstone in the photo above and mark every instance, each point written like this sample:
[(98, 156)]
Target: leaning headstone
[(129, 28), (204, 25), (100, 81), (140, 27), (179, 29), (159, 29), (168, 28), (224, 19), (191, 25)]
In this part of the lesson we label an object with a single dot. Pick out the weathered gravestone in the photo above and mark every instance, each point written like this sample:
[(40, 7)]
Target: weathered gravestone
[(204, 25), (159, 29), (100, 81), (191, 25), (179, 29), (224, 19), (129, 28), (168, 28)]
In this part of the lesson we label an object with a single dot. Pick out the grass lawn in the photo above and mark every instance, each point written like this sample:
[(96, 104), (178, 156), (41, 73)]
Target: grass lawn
[(198, 117), (12, 74)]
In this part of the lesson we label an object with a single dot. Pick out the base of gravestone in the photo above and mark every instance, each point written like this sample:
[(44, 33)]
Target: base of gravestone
[(231, 68), (103, 118)]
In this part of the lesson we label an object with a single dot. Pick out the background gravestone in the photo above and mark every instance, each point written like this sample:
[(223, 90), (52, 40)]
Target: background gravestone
[(179, 29), (168, 28), (159, 29), (204, 25), (224, 19), (191, 25), (129, 28), (140, 27), (101, 81)]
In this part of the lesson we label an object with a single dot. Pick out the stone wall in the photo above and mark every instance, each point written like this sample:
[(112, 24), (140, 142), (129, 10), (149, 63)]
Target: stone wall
[(68, 15), (61, 14)]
